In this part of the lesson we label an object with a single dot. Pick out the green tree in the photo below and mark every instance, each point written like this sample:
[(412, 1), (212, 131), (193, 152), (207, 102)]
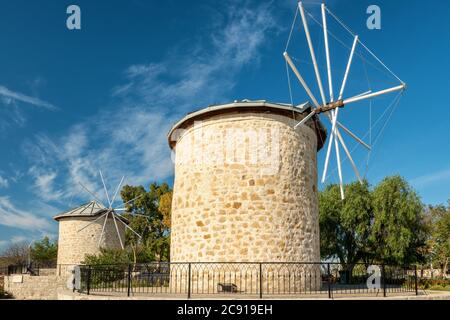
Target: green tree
[(383, 225), (439, 242), (152, 221), (44, 251), (398, 231), (345, 224), (114, 262), (108, 257)]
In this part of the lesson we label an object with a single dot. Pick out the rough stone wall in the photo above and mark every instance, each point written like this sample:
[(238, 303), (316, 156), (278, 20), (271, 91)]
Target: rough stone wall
[(431, 273), (34, 287), (74, 245), (245, 210)]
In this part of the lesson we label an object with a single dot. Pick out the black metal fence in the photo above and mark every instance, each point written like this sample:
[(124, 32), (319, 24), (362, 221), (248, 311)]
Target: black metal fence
[(32, 269), (249, 279)]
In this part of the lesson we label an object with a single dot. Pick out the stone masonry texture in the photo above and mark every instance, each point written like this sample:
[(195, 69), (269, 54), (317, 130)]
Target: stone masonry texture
[(248, 208), (73, 244)]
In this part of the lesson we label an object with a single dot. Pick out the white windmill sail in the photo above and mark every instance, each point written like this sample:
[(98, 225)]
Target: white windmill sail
[(96, 207), (330, 107)]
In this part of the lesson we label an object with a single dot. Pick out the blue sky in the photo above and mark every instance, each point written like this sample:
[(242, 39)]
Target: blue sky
[(104, 97)]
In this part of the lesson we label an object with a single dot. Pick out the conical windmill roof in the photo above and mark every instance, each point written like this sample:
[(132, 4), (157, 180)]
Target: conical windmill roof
[(90, 209)]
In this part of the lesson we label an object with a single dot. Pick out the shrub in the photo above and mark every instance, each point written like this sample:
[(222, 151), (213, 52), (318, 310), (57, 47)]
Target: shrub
[(108, 257), (5, 295), (434, 284)]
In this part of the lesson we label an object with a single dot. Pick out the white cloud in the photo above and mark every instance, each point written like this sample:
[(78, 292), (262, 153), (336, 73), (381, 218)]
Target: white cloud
[(431, 178), (130, 137), (4, 182), (44, 184), (12, 216), (9, 96), (17, 239)]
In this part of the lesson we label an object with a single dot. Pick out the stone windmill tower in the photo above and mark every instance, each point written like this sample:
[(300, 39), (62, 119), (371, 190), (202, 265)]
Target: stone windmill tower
[(246, 184), (86, 229)]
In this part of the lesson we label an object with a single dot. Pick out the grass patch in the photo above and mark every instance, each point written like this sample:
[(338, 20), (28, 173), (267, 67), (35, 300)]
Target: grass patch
[(440, 288)]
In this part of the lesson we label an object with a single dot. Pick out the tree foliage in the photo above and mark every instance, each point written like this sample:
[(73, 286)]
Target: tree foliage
[(44, 251), (152, 221), (439, 240), (384, 225), (345, 225), (108, 257), (398, 231)]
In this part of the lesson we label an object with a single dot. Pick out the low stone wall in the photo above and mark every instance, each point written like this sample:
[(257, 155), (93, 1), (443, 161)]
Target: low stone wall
[(26, 287), (432, 273), (47, 272)]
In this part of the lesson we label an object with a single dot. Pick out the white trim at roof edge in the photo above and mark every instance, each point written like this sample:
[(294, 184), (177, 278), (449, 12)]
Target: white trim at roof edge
[(241, 104)]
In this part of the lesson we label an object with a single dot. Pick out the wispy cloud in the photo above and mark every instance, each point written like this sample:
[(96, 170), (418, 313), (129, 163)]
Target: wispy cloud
[(431, 178), (130, 137), (44, 184), (16, 239), (8, 96), (12, 216), (4, 183)]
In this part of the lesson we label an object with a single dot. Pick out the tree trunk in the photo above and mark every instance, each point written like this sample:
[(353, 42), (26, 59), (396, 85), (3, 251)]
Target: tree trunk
[(134, 256), (445, 268)]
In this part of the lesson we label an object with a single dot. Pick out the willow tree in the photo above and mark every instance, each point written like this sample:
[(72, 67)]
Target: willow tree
[(345, 225), (383, 225), (398, 231)]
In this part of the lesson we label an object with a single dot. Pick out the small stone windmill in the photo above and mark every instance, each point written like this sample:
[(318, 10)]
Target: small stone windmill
[(89, 227), (331, 106)]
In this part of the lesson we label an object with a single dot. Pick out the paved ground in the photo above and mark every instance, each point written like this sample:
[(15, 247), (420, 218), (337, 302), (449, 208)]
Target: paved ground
[(423, 295)]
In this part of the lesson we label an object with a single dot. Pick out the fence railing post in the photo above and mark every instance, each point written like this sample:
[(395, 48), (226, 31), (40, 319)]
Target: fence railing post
[(129, 280), (415, 280), (88, 286), (383, 277), (260, 281), (189, 280), (329, 280)]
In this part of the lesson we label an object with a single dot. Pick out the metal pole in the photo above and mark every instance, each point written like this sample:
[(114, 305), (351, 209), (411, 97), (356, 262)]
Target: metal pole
[(129, 280), (338, 158), (311, 50), (349, 156), (189, 281), (375, 94), (260, 281), (329, 281), (327, 52), (347, 70), (89, 280), (300, 78), (415, 280), (353, 135), (383, 272)]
